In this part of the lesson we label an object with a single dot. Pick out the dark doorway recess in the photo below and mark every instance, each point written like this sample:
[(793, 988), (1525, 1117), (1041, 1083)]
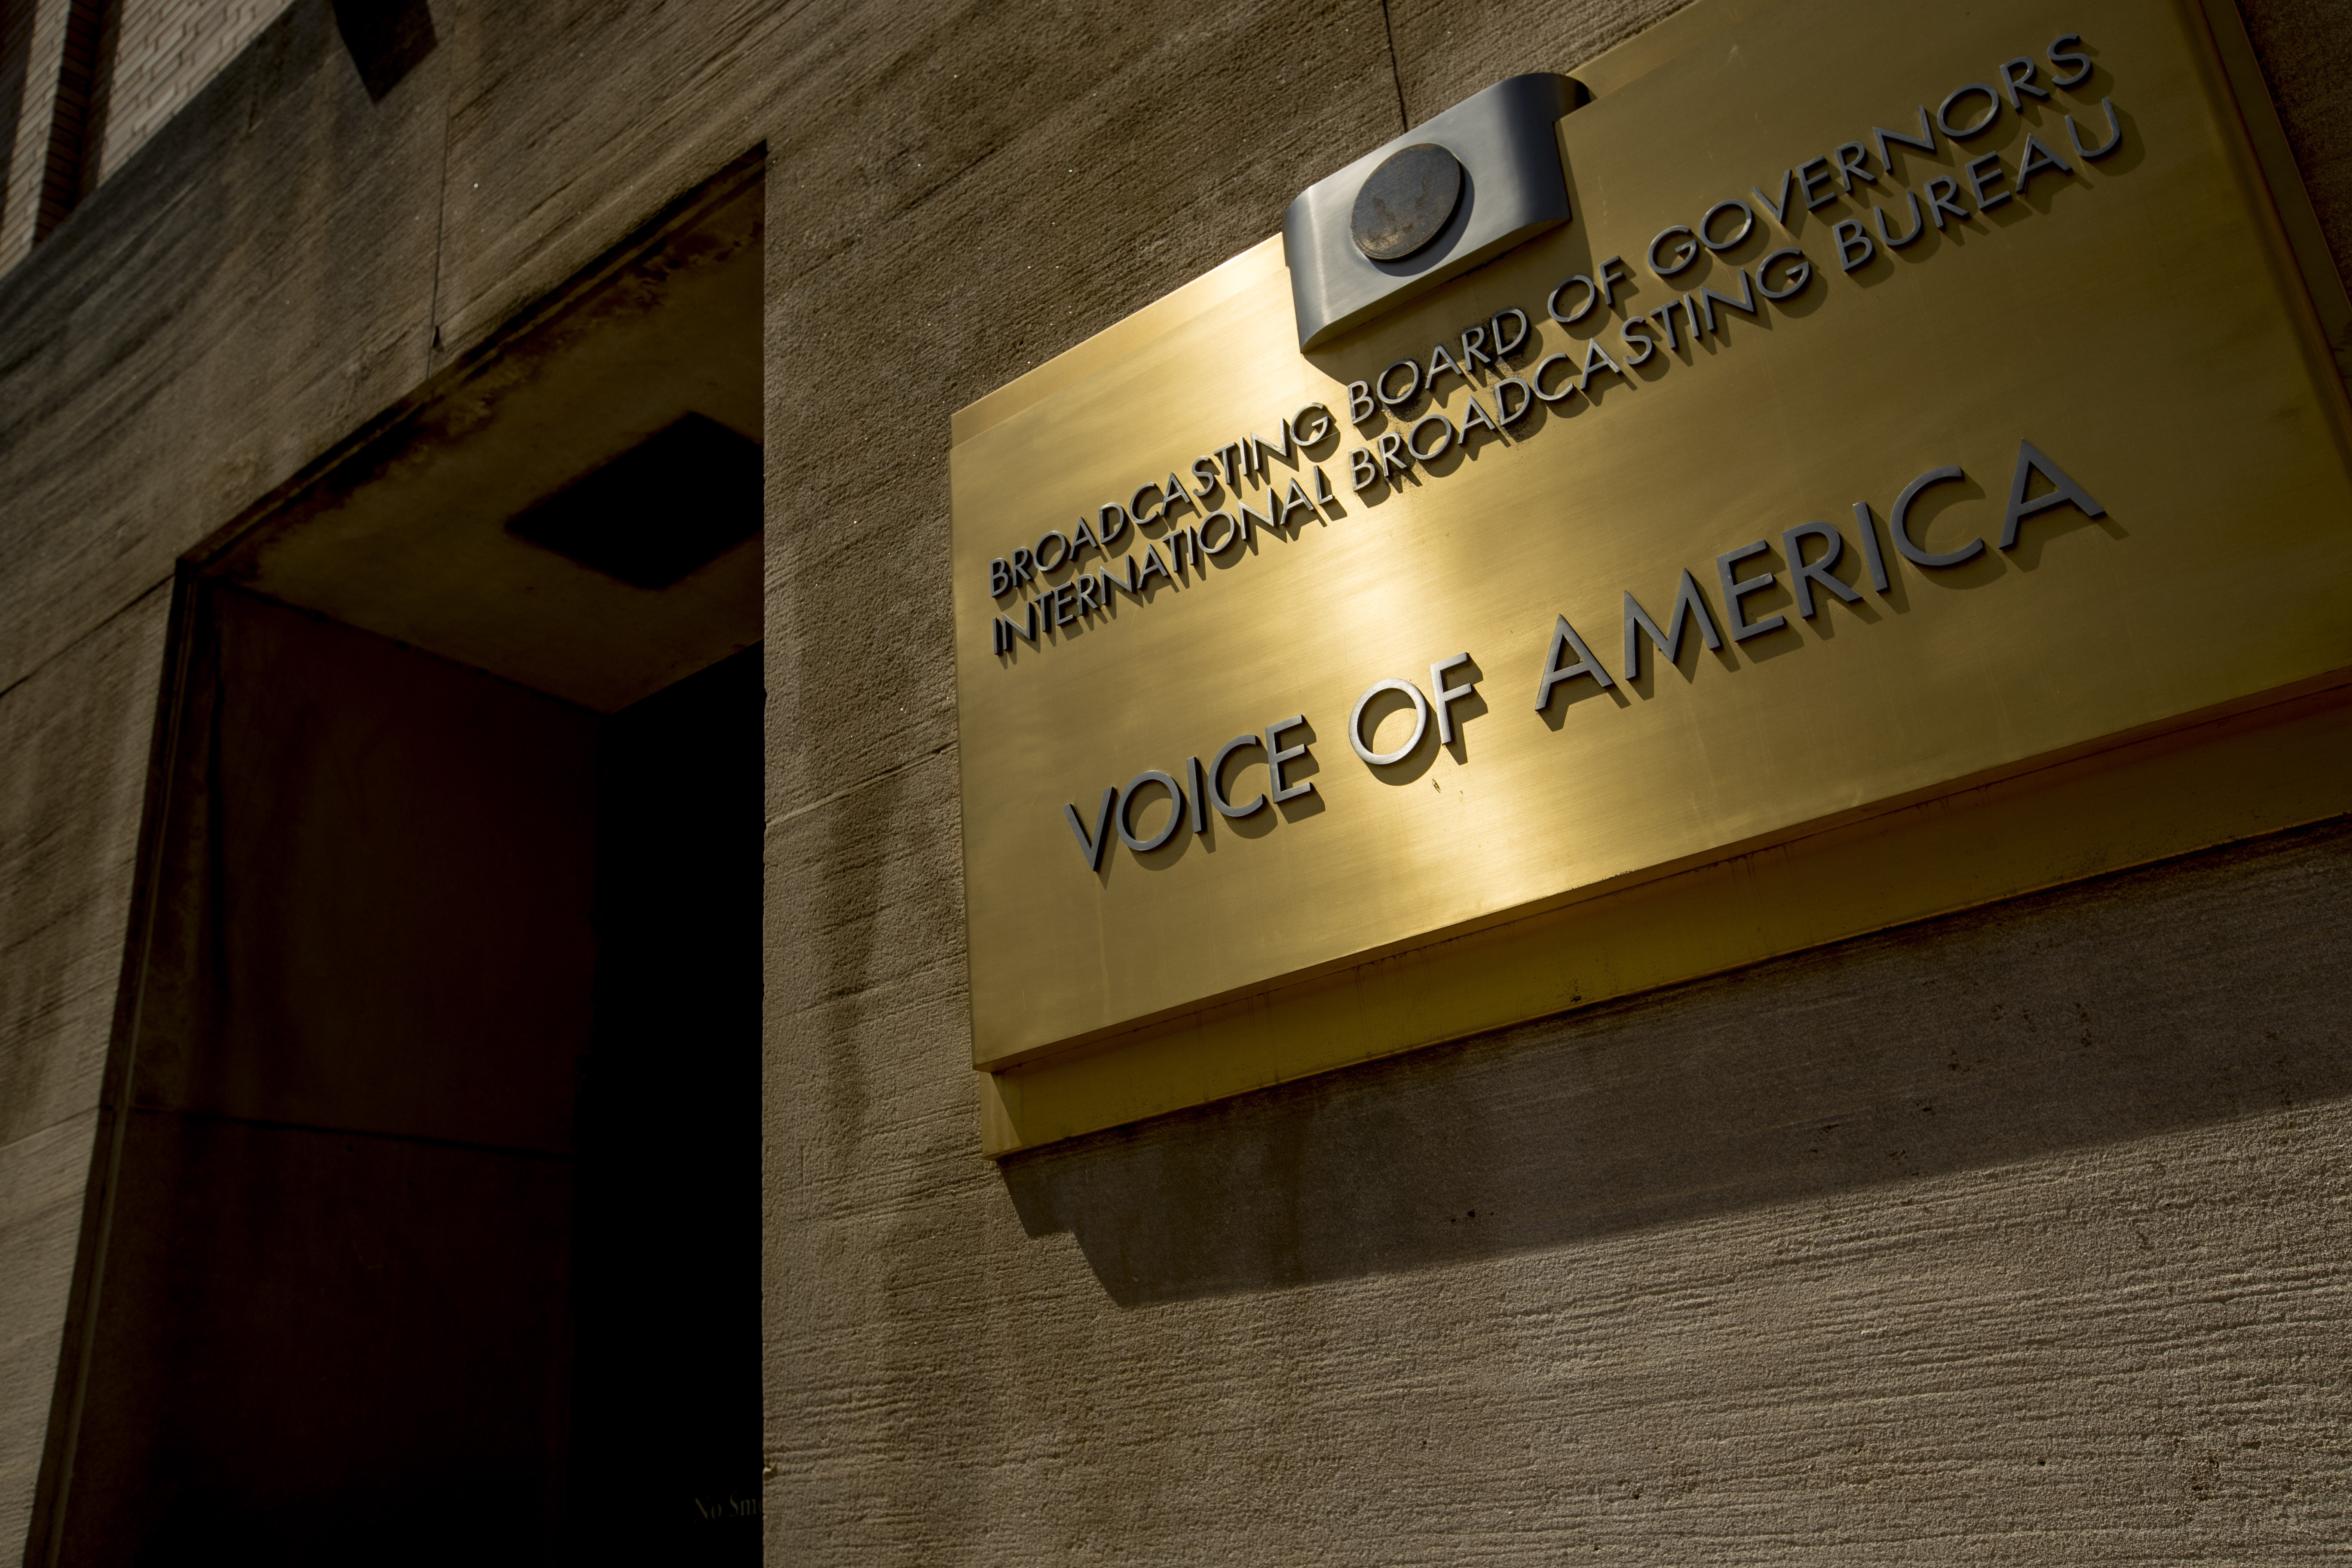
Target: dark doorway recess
[(665, 1264), (424, 1219)]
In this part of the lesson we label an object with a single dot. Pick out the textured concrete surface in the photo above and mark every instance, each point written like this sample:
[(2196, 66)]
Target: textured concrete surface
[(2306, 53), (239, 298), (1867, 1255), (75, 737), (42, 1179), (2013, 1238)]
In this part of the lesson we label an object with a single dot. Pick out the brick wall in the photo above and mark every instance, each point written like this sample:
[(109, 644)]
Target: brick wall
[(144, 62), (164, 51), (37, 30)]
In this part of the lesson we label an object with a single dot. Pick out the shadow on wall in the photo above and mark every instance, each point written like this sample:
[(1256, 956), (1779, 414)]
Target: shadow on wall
[(386, 39), (2153, 999)]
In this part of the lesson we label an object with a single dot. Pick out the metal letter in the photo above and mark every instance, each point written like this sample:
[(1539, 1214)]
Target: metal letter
[(1443, 697), (2062, 55), (1804, 573), (1093, 846), (1925, 141), (2114, 132), (1899, 525), (1688, 600), (2038, 158), (1798, 275), (1503, 351), (1474, 346), (1584, 307), (1690, 250), (2014, 84), (1132, 583), (2030, 461), (1709, 299), (1814, 172), (1854, 247), (1613, 272), (1746, 225), (1412, 437), (1420, 722), (1271, 520), (1918, 223), (1939, 201), (1412, 388), (1126, 814), (1535, 377), (1564, 637), (1216, 774), (1276, 754), (1871, 555), (1733, 592), (1944, 113), (1978, 179)]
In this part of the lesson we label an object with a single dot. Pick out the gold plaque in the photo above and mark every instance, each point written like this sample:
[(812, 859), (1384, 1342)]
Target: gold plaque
[(1955, 464)]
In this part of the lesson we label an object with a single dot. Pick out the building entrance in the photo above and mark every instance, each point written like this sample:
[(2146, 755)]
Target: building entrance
[(427, 1221)]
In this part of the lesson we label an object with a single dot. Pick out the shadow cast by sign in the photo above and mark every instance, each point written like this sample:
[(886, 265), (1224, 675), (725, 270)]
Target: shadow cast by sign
[(1968, 1052)]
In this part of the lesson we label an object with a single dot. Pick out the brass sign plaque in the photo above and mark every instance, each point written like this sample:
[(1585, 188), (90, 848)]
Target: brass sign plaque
[(1908, 401)]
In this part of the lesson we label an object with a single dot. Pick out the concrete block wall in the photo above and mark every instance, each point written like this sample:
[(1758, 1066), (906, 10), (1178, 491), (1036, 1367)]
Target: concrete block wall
[(2019, 1237)]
